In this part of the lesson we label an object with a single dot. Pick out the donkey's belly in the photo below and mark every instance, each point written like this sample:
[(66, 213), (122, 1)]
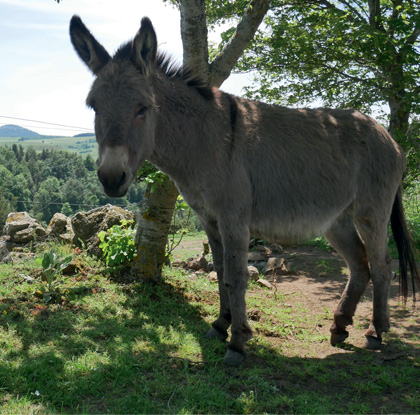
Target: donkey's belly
[(291, 228)]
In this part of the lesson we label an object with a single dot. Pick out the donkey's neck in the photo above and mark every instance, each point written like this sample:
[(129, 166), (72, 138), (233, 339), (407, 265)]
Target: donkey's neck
[(183, 132)]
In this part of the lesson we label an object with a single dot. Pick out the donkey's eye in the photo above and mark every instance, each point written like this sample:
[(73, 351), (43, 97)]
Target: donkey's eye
[(140, 112)]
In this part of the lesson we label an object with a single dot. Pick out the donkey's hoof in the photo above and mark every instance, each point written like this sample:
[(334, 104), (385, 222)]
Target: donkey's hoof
[(337, 338), (233, 358), (216, 334), (372, 343)]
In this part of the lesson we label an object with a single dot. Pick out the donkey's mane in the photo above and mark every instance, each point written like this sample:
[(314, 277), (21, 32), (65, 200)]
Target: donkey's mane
[(171, 69)]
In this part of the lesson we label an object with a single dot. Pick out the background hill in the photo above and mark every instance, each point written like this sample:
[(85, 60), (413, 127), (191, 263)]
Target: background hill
[(11, 130), (84, 143)]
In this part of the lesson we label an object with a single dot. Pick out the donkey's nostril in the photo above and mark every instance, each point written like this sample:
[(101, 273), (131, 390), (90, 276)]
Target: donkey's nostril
[(123, 178), (111, 181)]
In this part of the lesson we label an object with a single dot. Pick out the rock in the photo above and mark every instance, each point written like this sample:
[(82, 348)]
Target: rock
[(5, 248), (254, 314), (22, 256), (263, 249), (60, 227), (276, 249), (199, 263), (22, 228), (87, 225), (254, 274), (72, 268), (7, 259), (179, 263), (276, 265), (265, 283), (212, 276), (255, 256)]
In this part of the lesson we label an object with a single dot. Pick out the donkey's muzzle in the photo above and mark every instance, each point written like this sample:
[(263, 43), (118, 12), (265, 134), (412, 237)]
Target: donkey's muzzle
[(115, 185), (114, 172)]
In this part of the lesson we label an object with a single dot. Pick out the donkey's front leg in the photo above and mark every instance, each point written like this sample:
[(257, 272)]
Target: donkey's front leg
[(236, 281)]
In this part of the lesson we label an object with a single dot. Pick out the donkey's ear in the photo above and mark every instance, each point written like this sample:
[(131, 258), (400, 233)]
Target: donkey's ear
[(145, 46), (92, 53)]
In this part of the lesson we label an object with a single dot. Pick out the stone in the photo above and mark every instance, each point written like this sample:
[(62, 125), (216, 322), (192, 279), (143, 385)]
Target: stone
[(255, 256), (179, 263), (5, 248), (60, 227), (276, 249), (22, 228), (212, 276), (254, 274), (275, 266), (265, 283), (87, 225), (199, 263), (58, 224)]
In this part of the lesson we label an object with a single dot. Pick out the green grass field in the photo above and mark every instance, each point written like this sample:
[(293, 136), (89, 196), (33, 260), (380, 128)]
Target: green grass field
[(81, 145)]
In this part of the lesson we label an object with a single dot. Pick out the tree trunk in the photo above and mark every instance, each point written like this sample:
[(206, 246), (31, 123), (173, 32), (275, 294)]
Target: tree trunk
[(194, 36), (398, 119), (156, 210)]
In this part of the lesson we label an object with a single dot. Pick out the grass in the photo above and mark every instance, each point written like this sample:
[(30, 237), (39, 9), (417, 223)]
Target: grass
[(192, 245), (82, 145), (117, 348)]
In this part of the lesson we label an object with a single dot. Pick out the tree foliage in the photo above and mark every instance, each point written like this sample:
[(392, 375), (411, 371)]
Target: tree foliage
[(51, 181), (361, 54)]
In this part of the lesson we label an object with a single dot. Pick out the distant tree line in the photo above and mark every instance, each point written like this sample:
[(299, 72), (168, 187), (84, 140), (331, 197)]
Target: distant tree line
[(52, 181)]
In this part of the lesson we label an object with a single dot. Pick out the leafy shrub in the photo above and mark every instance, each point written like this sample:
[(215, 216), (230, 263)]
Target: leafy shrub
[(117, 244)]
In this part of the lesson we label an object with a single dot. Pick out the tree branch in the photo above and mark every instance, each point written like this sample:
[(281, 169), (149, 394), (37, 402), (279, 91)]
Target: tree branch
[(224, 62), (347, 5), (194, 36), (375, 13), (413, 37)]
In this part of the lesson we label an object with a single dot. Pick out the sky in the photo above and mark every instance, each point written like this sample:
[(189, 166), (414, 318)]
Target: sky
[(42, 78)]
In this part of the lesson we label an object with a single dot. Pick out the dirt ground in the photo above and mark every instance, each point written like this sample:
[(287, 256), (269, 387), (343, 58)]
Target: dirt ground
[(317, 278), (320, 278)]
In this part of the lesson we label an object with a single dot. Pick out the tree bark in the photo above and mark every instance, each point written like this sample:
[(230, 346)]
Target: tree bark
[(156, 210), (194, 36), (222, 65), (398, 118)]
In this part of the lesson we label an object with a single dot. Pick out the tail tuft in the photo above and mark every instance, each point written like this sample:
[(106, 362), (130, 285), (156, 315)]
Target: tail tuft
[(406, 251)]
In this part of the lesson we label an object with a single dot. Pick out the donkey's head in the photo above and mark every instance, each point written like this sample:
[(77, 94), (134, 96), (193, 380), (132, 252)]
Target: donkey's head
[(123, 101)]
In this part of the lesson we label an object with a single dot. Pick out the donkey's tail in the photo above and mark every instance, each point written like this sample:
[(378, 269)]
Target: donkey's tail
[(406, 250)]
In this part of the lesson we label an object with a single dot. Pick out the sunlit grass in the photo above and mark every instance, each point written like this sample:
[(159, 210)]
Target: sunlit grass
[(140, 348)]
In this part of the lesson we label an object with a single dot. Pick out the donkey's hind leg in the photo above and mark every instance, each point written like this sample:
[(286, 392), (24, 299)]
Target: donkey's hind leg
[(373, 231), (344, 238), (221, 325)]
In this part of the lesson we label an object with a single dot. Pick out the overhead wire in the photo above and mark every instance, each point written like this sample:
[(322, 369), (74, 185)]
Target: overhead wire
[(47, 123), (51, 128)]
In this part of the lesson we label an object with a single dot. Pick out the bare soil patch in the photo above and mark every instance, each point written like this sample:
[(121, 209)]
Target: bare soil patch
[(316, 280)]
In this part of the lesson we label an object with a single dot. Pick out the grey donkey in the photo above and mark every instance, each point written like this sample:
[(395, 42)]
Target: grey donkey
[(248, 168)]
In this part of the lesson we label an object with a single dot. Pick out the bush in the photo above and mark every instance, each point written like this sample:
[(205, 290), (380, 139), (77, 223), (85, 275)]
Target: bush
[(117, 244)]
